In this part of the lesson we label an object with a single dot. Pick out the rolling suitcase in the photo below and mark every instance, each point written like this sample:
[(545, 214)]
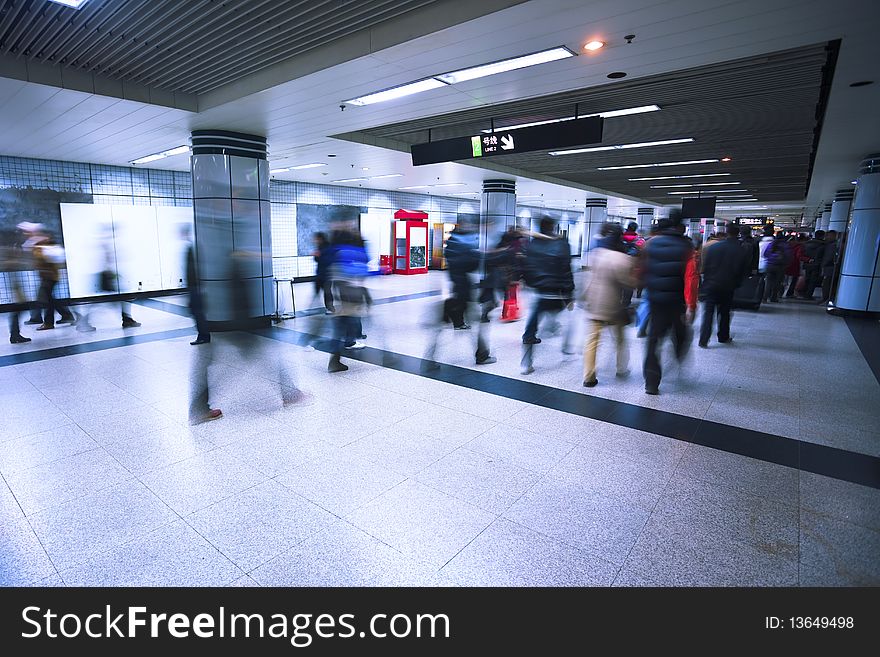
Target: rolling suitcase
[(750, 294)]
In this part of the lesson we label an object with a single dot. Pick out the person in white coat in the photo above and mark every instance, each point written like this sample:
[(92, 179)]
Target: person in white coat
[(612, 271)]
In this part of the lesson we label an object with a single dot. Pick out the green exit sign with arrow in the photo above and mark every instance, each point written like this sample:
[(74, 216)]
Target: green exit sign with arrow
[(578, 132)]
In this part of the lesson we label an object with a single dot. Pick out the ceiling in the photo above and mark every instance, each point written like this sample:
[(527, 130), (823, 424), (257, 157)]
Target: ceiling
[(194, 46), (759, 111), (296, 102)]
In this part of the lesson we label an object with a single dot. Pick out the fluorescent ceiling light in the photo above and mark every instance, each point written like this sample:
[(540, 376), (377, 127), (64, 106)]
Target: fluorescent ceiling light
[(278, 170), (314, 165), (179, 150), (643, 144), (713, 191), (76, 4), (387, 175), (505, 65), (604, 115), (415, 187), (694, 185), (348, 180), (397, 92), (448, 185), (657, 164), (743, 207), (693, 175)]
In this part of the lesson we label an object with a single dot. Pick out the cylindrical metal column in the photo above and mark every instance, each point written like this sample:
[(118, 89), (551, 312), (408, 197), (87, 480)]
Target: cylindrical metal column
[(595, 214), (840, 210), (232, 226), (825, 219), (497, 210), (859, 287), (645, 218)]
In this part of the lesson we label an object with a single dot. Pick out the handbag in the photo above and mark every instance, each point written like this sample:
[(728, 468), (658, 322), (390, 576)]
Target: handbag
[(625, 316), (107, 281)]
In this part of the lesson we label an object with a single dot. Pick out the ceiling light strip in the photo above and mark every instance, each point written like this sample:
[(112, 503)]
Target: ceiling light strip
[(604, 115), (694, 185), (437, 81), (643, 144), (655, 164), (694, 175)]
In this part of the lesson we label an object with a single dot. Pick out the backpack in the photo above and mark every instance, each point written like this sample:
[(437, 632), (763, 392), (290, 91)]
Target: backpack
[(776, 254)]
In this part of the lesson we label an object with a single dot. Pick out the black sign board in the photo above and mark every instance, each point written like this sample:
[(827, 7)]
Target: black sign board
[(576, 132), (753, 221)]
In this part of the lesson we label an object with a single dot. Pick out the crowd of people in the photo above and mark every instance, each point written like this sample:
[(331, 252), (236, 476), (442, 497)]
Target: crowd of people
[(668, 272), (33, 248)]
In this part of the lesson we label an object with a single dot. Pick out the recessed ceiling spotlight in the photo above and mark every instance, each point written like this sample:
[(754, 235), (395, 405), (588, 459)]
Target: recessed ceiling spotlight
[(725, 159), (861, 83), (365, 168), (332, 155), (616, 75), (594, 45), (853, 182)]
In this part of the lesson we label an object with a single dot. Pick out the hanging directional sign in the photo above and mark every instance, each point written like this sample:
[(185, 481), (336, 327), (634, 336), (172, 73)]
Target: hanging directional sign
[(577, 132)]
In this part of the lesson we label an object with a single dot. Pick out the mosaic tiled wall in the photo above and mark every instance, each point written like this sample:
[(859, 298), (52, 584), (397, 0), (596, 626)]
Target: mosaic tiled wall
[(26, 179)]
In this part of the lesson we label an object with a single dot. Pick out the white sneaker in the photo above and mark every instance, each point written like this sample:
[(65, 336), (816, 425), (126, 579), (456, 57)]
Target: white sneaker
[(357, 345)]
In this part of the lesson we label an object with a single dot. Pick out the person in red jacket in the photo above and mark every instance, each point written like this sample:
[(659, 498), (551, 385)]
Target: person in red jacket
[(795, 263)]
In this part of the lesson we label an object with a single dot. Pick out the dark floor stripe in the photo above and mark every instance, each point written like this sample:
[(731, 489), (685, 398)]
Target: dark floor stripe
[(819, 459), (183, 311), (88, 347), (173, 308), (866, 333)]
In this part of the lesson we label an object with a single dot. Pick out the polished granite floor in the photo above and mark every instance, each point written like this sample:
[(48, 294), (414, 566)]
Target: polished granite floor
[(390, 474)]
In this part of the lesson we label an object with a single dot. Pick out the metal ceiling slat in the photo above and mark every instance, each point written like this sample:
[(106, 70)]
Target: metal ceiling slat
[(95, 18), (35, 28), (64, 21), (257, 52), (208, 36), (142, 30), (158, 36), (14, 10), (222, 76), (116, 31), (17, 30), (277, 33)]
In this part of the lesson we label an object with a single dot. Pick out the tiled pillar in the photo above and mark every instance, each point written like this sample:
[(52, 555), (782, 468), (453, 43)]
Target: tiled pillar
[(840, 210), (859, 286), (497, 210), (231, 209), (645, 219), (595, 214)]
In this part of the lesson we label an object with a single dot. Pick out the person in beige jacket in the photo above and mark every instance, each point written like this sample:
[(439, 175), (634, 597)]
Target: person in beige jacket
[(612, 270)]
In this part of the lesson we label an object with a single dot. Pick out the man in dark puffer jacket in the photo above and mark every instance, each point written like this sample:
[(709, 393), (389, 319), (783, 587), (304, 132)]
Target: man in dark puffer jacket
[(666, 259)]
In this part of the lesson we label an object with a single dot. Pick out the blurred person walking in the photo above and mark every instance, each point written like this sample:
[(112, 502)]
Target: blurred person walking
[(813, 250), (463, 258), (351, 299), (794, 270), (548, 272), (12, 262), (323, 255), (49, 258), (827, 264), (775, 256), (667, 257), (724, 268), (193, 288), (605, 300), (108, 281)]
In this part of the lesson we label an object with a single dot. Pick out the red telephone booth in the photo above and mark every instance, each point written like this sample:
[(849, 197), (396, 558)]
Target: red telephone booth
[(410, 242)]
